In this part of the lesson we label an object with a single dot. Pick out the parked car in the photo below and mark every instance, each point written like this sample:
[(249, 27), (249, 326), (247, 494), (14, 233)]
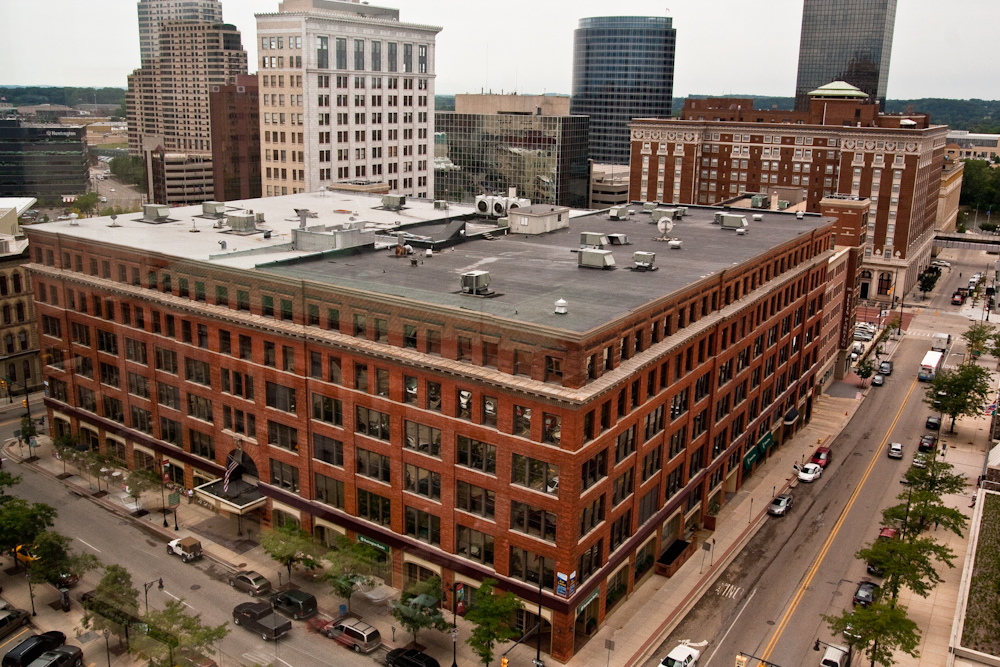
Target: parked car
[(353, 633), (126, 502), (895, 450), (886, 533), (32, 647), (810, 472), (940, 262), (878, 380), (260, 618), (64, 656), (928, 443), (885, 368), (408, 657), (957, 299), (919, 460), (863, 334), (296, 604), (933, 422), (12, 619), (24, 555), (188, 548), (821, 456), (252, 582), (780, 505), (866, 594), (682, 656)]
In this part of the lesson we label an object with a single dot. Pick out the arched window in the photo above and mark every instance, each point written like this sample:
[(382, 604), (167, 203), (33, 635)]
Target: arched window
[(20, 312), (8, 343), (26, 369), (11, 369), (6, 314), (22, 339), (3, 286), (17, 283), (884, 283), (866, 275)]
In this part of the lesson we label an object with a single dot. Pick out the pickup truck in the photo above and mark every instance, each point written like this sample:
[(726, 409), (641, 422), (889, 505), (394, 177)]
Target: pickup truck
[(260, 618)]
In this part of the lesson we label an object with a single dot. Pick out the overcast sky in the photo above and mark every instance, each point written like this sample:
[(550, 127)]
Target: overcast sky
[(723, 46)]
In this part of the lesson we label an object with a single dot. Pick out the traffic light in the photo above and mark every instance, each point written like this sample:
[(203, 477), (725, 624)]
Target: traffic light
[(503, 661), (3, 384), (24, 402)]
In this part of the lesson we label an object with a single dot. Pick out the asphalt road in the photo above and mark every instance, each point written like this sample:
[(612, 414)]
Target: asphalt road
[(202, 585), (770, 601)]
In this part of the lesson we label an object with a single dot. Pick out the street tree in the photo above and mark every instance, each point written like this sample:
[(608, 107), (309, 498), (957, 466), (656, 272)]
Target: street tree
[(114, 592), (926, 282), (65, 446), (923, 505), (290, 546), (493, 616), (55, 559), (86, 203), (419, 607), (909, 563), (962, 392), (21, 522), (879, 630), (139, 481), (349, 566), (977, 338), (865, 369), (176, 627)]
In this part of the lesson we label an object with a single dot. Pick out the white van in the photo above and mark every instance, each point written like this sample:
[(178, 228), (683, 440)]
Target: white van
[(836, 656)]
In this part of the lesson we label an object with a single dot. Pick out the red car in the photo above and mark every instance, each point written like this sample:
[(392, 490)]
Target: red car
[(821, 457)]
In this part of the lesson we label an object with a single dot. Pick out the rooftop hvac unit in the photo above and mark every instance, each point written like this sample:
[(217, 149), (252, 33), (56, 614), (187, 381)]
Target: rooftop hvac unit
[(644, 261), (440, 204), (503, 222), (619, 213), (595, 259), (593, 240), (476, 282), (782, 204), (729, 221), (241, 222), (483, 204), (4, 246), (649, 205), (799, 215), (618, 239), (682, 211), (671, 213), (674, 244), (393, 202), (757, 217), (260, 216), (213, 209), (155, 211), (499, 207), (517, 202)]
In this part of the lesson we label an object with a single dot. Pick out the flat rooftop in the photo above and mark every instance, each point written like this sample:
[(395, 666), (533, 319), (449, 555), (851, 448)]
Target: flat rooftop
[(528, 273)]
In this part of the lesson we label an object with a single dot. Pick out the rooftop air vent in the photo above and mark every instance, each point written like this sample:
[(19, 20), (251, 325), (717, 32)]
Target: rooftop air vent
[(757, 217), (561, 307), (241, 222), (213, 209), (594, 258), (619, 213), (644, 261), (155, 212), (476, 283), (593, 240), (440, 204), (799, 215), (618, 239), (393, 202)]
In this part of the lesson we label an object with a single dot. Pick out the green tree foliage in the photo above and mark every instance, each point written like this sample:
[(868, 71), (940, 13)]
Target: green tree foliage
[(290, 546), (418, 607), (349, 565), (962, 392), (130, 169), (21, 522), (87, 202), (139, 481), (865, 369), (493, 616), (927, 281), (907, 563), (978, 337), (980, 187), (178, 628), (65, 446), (65, 95), (922, 505), (117, 591), (55, 559), (879, 630)]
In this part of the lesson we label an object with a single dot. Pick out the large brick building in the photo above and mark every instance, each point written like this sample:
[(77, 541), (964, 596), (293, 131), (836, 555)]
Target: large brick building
[(722, 147), (561, 423)]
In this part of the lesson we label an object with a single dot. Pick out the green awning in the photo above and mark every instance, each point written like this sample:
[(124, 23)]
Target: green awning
[(750, 458), (766, 441)]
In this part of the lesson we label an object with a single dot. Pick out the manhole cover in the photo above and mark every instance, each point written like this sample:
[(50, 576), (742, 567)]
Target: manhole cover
[(836, 593), (770, 622), (195, 587)]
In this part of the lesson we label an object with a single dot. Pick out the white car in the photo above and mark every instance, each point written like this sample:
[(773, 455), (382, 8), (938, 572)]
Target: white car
[(682, 656), (896, 450), (940, 262), (810, 472), (126, 502)]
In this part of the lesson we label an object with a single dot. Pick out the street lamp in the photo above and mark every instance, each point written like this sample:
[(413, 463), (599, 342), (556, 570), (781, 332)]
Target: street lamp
[(538, 636), (163, 502), (107, 646), (454, 624), (155, 582), (31, 592)]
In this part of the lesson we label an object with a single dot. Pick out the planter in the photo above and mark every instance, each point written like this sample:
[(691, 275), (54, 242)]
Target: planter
[(674, 557), (709, 522)]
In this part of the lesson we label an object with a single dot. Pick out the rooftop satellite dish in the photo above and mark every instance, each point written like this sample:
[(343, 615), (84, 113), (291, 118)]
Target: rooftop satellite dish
[(665, 225)]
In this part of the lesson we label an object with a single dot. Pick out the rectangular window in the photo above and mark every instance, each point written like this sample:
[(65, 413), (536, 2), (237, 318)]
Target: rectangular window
[(591, 515), (422, 525), (168, 395), (532, 521), (535, 474), (474, 454), (373, 465), (285, 476), (110, 375), (135, 351), (475, 500), (282, 436), (170, 431), (594, 469), (374, 507), (198, 372), (326, 409), (474, 545), (621, 530), (423, 482), (423, 438), (329, 491), (166, 360), (328, 450), (372, 423), (280, 397)]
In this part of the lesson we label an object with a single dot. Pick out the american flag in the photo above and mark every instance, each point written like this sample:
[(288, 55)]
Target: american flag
[(230, 469)]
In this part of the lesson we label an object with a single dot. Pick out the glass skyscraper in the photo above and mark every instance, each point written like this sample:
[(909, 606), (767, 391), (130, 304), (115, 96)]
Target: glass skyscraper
[(544, 157), (845, 40), (623, 68)]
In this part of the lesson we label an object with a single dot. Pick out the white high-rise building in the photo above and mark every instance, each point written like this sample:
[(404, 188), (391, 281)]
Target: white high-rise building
[(347, 96), (154, 13)]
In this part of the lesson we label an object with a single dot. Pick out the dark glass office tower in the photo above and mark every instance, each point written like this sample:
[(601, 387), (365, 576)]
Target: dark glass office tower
[(623, 68), (845, 40)]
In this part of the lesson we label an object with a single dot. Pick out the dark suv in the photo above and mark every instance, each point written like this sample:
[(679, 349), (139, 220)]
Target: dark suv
[(408, 657), (64, 656), (32, 647), (296, 604)]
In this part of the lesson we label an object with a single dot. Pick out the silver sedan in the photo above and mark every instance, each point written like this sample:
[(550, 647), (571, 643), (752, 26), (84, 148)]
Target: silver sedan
[(252, 582)]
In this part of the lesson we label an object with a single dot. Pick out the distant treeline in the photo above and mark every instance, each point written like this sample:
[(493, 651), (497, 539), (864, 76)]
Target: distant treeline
[(971, 115), (32, 95)]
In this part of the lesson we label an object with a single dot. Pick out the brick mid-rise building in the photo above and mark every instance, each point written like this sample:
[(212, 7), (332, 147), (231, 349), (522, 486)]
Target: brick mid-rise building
[(556, 424)]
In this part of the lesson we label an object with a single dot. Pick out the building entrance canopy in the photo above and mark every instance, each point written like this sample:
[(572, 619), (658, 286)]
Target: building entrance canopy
[(242, 497)]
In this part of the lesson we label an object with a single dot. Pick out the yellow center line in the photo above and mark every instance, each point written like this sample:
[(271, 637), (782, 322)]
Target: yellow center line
[(833, 533)]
